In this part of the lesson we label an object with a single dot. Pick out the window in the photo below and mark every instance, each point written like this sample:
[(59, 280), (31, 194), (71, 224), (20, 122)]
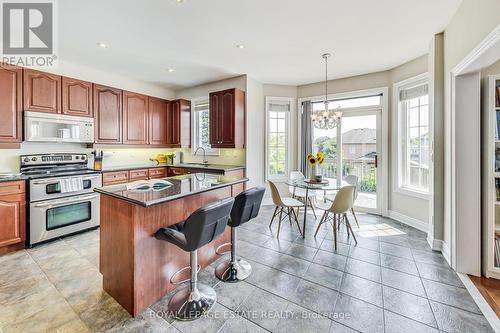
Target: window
[(278, 138), (201, 127), (414, 135)]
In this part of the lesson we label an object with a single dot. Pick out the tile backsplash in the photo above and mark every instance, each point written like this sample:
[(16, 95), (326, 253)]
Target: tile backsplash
[(9, 161)]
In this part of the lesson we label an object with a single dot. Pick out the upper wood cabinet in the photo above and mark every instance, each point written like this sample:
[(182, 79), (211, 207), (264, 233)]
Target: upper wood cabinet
[(135, 118), (42, 91), (108, 114), (158, 112), (12, 213), (179, 124), (77, 98), (11, 93), (227, 119)]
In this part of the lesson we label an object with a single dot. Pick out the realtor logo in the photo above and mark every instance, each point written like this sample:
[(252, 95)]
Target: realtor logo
[(28, 30)]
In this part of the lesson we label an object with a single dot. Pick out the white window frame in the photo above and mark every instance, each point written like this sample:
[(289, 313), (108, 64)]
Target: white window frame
[(288, 151), (194, 132), (400, 120)]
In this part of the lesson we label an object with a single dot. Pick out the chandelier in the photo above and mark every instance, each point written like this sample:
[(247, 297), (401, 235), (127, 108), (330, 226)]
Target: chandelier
[(327, 118)]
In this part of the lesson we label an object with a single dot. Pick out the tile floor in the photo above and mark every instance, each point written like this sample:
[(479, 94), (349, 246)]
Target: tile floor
[(389, 282)]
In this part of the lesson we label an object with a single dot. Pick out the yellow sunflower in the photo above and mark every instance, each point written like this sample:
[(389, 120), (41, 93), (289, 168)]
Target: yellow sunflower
[(311, 159)]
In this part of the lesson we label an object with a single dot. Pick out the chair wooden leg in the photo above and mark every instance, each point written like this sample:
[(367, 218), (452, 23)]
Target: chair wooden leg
[(289, 215), (279, 223), (355, 218), (312, 208), (349, 228), (320, 223), (297, 221), (335, 231), (274, 215)]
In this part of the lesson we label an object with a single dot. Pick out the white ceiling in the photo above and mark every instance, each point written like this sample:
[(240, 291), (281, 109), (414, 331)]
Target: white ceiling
[(283, 39)]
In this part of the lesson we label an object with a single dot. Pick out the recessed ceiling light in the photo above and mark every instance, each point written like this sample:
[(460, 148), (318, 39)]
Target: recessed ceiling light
[(240, 46), (179, 1), (170, 70), (103, 45)]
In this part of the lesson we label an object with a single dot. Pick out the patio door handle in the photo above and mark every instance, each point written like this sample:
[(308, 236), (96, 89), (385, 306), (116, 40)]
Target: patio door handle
[(376, 161)]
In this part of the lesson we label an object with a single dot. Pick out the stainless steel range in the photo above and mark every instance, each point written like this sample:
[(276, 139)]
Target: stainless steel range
[(62, 200)]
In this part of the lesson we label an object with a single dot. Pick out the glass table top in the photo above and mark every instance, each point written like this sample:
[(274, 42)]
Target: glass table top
[(330, 185)]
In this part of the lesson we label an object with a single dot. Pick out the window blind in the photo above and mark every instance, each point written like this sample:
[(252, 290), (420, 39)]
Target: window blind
[(278, 106), (201, 105), (414, 92)]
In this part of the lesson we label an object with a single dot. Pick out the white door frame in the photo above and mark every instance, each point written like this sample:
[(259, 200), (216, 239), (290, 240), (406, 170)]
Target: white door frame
[(382, 184), (463, 78)]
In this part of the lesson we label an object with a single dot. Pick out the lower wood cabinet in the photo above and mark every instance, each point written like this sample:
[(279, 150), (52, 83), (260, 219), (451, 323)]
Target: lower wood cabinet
[(140, 174), (115, 177), (156, 173), (12, 216)]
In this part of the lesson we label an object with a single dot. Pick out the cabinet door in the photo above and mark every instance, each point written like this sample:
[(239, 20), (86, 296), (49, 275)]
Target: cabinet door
[(11, 92), (42, 92), (175, 124), (214, 109), (77, 98), (108, 114), (226, 117), (158, 109), (135, 118), (12, 219)]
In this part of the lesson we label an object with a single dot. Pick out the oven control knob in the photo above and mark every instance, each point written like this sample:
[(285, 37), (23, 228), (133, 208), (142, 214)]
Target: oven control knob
[(34, 159), (84, 157), (77, 157), (26, 160)]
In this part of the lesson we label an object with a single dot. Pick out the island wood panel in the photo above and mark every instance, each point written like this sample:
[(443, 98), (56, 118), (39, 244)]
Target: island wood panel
[(137, 267)]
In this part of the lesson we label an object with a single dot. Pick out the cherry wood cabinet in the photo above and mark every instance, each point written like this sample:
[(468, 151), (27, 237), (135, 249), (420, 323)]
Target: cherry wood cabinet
[(42, 91), (158, 112), (115, 177), (156, 173), (77, 98), (138, 174), (227, 119), (108, 114), (135, 118), (11, 94), (12, 216), (179, 124)]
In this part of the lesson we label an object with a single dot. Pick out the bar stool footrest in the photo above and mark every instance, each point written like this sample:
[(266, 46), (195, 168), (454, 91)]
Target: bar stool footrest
[(179, 272)]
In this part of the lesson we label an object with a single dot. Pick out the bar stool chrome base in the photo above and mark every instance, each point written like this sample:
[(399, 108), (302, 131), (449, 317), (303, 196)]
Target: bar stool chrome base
[(191, 305), (233, 271)]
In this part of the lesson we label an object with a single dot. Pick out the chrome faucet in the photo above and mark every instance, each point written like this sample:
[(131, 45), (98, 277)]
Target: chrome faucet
[(205, 161)]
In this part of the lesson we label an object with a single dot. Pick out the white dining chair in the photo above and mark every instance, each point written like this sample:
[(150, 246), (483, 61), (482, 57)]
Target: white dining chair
[(301, 193), (285, 206), (336, 212), (351, 180)]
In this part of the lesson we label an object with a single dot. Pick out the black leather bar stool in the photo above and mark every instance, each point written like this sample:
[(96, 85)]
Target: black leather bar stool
[(246, 207), (204, 225)]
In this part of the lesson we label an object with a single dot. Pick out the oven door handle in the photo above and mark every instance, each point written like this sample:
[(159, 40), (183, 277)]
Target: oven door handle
[(52, 181), (67, 201)]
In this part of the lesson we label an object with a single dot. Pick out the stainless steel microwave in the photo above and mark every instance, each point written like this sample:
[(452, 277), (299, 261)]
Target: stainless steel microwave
[(47, 127)]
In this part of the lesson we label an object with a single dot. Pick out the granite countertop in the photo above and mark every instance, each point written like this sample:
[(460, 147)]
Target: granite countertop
[(16, 177), (193, 166), (183, 186)]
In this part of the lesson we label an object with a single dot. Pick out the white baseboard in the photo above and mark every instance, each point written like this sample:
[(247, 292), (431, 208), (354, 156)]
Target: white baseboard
[(435, 244), (412, 222)]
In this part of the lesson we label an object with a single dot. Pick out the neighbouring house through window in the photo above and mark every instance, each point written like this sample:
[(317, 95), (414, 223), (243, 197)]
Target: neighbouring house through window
[(414, 136)]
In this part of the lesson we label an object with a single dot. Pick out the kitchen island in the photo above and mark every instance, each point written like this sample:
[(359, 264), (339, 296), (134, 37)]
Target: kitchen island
[(136, 267)]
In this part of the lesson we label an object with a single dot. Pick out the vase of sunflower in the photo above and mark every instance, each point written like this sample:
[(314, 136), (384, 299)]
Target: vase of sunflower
[(315, 162)]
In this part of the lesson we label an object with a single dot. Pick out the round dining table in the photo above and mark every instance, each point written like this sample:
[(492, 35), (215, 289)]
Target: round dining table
[(328, 184)]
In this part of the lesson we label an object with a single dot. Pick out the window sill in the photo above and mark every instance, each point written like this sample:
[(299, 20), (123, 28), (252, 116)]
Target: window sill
[(412, 192)]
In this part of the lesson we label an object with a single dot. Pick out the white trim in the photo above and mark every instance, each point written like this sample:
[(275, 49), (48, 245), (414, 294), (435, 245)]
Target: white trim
[(435, 244), (485, 308), (288, 133), (445, 250), (412, 222), (383, 185), (397, 149), (481, 56)]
